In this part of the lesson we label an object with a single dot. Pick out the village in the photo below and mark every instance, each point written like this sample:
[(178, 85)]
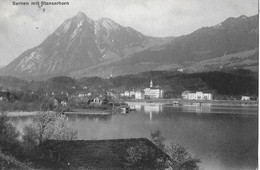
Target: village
[(101, 99)]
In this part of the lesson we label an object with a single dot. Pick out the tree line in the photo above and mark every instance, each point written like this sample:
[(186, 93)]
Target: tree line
[(238, 82)]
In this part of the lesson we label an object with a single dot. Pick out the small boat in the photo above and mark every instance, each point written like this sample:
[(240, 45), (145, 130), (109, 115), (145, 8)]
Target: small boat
[(125, 109), (176, 102)]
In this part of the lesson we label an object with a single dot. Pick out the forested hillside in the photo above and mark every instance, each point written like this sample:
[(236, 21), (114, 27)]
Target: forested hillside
[(238, 82)]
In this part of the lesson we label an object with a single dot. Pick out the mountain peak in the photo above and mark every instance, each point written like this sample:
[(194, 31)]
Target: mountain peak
[(81, 14), (84, 47), (82, 17)]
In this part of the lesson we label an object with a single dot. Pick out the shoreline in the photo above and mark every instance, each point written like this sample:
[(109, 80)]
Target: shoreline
[(33, 113), (90, 112), (174, 102), (171, 101), (21, 113)]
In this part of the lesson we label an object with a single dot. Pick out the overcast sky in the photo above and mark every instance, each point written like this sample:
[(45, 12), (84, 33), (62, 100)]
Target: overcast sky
[(24, 27)]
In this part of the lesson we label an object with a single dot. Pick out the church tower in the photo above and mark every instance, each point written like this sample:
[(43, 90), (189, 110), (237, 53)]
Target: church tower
[(151, 83)]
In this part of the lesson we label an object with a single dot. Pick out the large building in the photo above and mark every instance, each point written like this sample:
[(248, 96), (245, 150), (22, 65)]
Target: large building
[(196, 95), (245, 98), (153, 92), (139, 95)]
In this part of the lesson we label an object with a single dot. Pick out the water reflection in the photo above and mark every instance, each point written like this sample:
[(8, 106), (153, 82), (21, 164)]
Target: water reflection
[(151, 116), (152, 108), (223, 141), (75, 117), (197, 107), (200, 108), (136, 106)]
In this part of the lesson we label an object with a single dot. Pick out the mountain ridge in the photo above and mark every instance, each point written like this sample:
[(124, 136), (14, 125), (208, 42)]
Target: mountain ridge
[(82, 47)]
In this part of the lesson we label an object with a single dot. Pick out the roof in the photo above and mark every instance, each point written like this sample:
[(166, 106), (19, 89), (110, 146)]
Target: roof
[(186, 92), (79, 99), (98, 154), (5, 93)]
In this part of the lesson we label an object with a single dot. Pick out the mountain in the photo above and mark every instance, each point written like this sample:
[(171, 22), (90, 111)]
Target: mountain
[(77, 44), (84, 47), (232, 36)]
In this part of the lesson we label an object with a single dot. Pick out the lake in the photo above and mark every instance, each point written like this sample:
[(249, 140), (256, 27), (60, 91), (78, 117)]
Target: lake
[(224, 137)]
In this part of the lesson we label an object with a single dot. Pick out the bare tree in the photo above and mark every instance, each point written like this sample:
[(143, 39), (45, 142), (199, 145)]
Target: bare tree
[(48, 125)]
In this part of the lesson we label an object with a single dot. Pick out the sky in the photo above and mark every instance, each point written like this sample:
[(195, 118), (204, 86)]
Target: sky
[(25, 26)]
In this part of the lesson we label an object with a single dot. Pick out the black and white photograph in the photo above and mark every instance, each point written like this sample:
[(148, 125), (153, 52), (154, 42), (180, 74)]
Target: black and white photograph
[(129, 84)]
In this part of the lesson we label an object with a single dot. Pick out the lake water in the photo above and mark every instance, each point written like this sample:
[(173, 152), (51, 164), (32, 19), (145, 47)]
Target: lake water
[(223, 137)]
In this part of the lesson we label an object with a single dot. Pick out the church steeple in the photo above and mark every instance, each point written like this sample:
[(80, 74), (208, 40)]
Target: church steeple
[(151, 83)]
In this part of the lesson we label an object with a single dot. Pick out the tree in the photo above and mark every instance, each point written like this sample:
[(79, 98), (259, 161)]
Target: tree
[(158, 139), (142, 157), (8, 135), (180, 158), (48, 125), (135, 157)]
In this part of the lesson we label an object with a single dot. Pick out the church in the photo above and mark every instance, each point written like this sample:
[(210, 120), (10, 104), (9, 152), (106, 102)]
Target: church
[(153, 92)]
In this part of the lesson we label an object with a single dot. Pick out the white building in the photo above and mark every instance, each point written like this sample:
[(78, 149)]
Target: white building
[(132, 93), (245, 98), (129, 93), (139, 95), (153, 92), (135, 94), (96, 101), (81, 95), (196, 95), (63, 103)]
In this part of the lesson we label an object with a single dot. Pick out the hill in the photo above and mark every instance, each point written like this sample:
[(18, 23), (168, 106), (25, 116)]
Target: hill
[(231, 82)]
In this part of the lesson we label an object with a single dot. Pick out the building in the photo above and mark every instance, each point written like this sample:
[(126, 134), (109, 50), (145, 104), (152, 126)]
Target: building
[(153, 92), (63, 103), (98, 154), (245, 98), (81, 95), (96, 101), (134, 94), (139, 95), (5, 96), (180, 69), (127, 93), (196, 95)]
